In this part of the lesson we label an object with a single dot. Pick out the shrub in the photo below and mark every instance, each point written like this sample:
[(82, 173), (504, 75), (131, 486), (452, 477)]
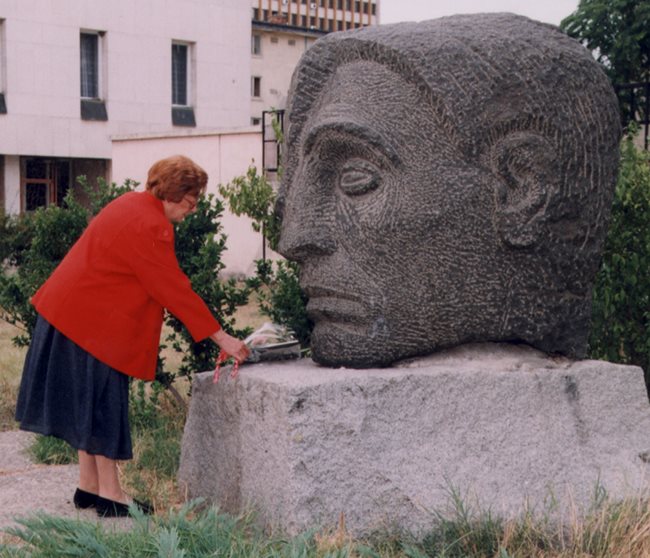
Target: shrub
[(282, 299), (252, 195), (277, 283), (621, 296)]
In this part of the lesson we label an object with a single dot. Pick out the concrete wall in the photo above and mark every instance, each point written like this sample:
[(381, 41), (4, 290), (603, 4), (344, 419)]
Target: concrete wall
[(42, 73), (224, 155), (275, 65)]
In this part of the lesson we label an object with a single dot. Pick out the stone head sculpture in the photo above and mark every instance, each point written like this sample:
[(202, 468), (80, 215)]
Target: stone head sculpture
[(447, 182)]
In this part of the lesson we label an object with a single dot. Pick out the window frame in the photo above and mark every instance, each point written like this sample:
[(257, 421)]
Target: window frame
[(54, 189), (256, 80), (256, 44), (189, 74), (100, 78), (3, 67)]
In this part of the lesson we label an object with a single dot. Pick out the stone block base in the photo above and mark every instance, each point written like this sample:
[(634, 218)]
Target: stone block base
[(507, 426)]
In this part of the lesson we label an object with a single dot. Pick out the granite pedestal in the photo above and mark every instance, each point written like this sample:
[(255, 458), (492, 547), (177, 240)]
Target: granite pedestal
[(506, 426)]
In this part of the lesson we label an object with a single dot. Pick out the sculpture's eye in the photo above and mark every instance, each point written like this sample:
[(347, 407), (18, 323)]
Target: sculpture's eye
[(358, 176)]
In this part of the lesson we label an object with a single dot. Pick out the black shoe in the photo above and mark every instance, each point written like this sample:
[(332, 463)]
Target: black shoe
[(111, 508), (83, 500)]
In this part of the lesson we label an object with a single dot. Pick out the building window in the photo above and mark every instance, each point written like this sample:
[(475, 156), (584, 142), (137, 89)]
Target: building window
[(256, 44), (255, 121), (3, 103), (182, 80), (256, 86), (90, 75), (44, 182), (180, 74), (292, 42), (274, 40), (89, 49)]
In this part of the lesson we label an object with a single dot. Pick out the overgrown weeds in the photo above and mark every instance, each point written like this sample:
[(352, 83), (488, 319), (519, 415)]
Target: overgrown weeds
[(609, 530)]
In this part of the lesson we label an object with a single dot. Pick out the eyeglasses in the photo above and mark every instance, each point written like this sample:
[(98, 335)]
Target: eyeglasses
[(191, 202)]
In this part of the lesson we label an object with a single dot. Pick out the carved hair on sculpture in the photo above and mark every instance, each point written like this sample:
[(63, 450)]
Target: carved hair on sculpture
[(447, 182)]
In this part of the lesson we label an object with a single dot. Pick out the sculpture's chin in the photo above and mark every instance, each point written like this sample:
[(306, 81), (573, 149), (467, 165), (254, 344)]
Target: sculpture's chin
[(336, 346)]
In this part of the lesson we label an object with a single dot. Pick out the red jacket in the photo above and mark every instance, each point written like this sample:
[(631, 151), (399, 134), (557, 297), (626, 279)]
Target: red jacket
[(108, 293)]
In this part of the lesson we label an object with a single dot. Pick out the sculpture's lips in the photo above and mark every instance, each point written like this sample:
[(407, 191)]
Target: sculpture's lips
[(328, 304)]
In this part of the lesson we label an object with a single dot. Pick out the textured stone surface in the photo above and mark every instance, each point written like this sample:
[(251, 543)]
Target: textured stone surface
[(447, 182), (301, 443)]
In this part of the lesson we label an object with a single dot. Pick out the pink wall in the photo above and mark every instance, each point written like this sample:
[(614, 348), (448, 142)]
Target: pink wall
[(223, 155)]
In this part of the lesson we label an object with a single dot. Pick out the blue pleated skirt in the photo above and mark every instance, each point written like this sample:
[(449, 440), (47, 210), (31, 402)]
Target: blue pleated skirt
[(68, 393)]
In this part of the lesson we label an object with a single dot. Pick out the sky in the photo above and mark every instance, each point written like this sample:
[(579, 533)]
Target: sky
[(549, 11)]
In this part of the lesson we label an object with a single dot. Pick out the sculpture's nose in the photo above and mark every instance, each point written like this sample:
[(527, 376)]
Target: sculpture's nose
[(307, 226)]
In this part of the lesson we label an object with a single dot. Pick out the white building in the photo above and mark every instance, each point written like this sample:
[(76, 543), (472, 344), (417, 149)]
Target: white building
[(283, 30), (75, 73)]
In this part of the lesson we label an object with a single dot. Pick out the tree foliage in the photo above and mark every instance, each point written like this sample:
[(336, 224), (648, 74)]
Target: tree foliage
[(252, 195), (33, 244), (618, 33), (621, 297), (282, 299)]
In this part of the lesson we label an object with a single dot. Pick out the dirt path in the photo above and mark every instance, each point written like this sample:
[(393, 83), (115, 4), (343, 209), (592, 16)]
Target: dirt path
[(26, 487)]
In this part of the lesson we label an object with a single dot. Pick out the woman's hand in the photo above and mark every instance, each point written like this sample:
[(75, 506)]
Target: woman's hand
[(230, 345)]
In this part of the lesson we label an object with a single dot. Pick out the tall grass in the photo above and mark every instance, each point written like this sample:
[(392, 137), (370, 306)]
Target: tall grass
[(11, 365), (614, 530)]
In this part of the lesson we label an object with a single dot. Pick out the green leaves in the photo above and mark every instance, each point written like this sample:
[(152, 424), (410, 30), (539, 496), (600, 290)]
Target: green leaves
[(252, 195), (621, 296), (35, 243), (618, 31), (282, 299)]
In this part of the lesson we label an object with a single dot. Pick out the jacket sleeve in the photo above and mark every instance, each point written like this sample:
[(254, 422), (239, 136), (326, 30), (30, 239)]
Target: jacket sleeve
[(151, 256)]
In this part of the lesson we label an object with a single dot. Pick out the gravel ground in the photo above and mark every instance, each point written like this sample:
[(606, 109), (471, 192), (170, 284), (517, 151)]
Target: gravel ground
[(26, 487)]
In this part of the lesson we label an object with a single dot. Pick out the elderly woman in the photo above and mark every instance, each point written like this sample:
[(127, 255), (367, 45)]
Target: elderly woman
[(99, 323)]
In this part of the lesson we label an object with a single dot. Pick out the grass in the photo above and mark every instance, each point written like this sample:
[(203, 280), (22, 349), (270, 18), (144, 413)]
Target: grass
[(11, 364), (613, 530)]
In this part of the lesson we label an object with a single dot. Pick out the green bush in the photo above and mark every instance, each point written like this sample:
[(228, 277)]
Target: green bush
[(34, 245), (281, 297), (252, 195), (621, 296), (277, 284)]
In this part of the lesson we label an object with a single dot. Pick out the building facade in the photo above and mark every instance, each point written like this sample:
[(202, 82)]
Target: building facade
[(283, 29), (75, 73)]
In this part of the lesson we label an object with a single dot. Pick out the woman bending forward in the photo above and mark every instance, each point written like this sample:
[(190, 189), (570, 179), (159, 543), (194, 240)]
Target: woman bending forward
[(100, 315)]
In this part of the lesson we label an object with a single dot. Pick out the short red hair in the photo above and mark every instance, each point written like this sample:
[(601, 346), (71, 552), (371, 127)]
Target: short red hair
[(174, 177)]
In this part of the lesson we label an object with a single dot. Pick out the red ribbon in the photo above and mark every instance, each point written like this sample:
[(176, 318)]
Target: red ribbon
[(222, 359)]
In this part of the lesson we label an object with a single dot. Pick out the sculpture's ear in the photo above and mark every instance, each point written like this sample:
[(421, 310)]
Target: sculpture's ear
[(525, 164)]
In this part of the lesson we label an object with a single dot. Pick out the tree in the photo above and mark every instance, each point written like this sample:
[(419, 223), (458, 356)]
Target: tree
[(618, 33), (621, 297)]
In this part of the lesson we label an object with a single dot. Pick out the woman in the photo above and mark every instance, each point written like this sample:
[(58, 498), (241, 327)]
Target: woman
[(100, 315)]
